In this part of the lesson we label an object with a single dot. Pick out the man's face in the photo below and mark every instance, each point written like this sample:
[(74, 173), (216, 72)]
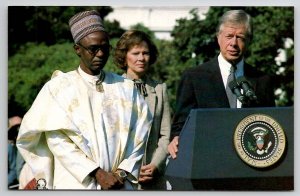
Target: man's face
[(93, 50), (232, 40)]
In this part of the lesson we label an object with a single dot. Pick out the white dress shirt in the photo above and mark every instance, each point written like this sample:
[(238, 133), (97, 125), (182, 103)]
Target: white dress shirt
[(225, 71)]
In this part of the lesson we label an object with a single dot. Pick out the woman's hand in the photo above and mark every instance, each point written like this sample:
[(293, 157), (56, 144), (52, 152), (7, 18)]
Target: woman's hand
[(147, 172)]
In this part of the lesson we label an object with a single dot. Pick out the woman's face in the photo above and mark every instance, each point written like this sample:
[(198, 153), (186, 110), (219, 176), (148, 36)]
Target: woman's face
[(137, 59)]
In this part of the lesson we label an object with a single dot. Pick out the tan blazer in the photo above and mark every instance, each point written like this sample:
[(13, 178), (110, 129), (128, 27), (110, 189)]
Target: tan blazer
[(158, 103)]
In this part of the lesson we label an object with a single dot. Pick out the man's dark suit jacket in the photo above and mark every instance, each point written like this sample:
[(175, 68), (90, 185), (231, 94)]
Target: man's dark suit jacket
[(202, 87)]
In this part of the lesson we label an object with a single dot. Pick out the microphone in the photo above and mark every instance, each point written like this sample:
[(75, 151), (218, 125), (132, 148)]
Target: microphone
[(247, 88), (233, 85)]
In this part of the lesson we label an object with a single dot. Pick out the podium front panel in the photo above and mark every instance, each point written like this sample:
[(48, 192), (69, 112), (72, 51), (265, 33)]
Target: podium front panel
[(207, 158)]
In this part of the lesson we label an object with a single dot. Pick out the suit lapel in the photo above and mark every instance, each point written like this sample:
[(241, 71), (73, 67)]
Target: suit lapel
[(217, 82)]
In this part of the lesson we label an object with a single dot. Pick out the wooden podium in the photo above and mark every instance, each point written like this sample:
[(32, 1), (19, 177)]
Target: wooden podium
[(208, 158)]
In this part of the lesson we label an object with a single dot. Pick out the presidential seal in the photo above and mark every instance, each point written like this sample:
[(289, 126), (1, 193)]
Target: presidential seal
[(259, 140)]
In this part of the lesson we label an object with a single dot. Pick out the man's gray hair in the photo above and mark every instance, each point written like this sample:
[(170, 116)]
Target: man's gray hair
[(236, 17)]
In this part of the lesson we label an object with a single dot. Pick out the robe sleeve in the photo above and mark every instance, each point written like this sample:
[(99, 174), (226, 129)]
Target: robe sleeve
[(45, 116), (141, 120)]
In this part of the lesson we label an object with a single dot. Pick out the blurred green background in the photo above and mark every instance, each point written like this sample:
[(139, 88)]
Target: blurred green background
[(40, 42)]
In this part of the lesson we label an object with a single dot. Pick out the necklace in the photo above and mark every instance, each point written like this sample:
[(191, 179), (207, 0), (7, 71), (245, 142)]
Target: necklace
[(99, 86)]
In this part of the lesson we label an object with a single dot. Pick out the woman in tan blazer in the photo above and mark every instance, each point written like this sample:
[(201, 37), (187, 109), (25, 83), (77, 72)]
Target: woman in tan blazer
[(135, 53)]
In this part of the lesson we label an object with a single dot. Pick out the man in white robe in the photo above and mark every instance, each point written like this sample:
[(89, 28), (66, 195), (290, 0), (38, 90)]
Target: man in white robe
[(86, 128)]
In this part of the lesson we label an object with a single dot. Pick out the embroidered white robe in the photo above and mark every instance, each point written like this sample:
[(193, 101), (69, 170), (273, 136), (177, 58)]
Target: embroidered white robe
[(70, 130)]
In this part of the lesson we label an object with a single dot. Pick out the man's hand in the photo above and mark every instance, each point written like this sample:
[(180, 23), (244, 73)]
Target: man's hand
[(146, 173), (108, 180), (119, 176), (173, 147)]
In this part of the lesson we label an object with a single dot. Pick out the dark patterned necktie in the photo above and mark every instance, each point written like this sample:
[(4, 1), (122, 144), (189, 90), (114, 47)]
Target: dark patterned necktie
[(231, 96), (140, 85)]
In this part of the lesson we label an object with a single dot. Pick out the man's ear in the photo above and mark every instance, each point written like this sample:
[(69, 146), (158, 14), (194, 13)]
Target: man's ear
[(77, 50)]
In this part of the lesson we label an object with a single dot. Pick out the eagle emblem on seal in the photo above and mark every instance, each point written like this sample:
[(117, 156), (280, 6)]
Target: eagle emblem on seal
[(259, 140)]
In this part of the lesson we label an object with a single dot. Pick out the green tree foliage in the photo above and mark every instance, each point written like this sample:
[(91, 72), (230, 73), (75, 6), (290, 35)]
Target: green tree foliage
[(168, 68), (194, 42), (142, 27), (194, 38), (33, 66), (271, 27), (48, 24), (113, 28)]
